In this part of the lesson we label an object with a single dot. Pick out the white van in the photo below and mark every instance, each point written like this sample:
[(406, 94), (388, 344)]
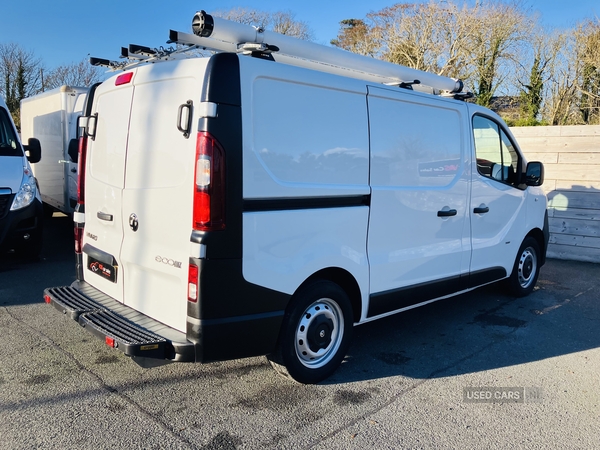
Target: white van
[(51, 117), (234, 205), (21, 218)]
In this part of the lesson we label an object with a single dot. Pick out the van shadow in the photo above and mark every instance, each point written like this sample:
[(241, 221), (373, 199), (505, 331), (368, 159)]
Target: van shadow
[(481, 330), (23, 279)]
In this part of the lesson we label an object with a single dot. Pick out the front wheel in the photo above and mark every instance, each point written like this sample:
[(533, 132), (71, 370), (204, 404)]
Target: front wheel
[(315, 333), (526, 268)]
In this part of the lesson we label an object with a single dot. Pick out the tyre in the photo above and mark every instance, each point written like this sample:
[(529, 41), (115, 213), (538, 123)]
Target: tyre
[(526, 268), (315, 333)]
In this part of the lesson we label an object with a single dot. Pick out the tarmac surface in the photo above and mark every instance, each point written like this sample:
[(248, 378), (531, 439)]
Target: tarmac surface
[(481, 370)]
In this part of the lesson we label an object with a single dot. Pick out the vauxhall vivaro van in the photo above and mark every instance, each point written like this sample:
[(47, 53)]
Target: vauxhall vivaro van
[(263, 202)]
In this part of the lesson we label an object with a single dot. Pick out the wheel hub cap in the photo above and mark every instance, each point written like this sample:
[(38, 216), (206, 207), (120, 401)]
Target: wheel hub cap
[(319, 333)]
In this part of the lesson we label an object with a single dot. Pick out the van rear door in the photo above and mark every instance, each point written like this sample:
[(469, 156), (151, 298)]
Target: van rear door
[(139, 189), (104, 182), (159, 186)]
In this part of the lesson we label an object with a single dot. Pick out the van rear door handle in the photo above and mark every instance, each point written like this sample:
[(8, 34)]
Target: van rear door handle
[(104, 216), (447, 213), (481, 210)]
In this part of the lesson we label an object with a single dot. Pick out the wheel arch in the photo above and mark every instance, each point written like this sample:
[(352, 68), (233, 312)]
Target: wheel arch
[(343, 279), (538, 235)]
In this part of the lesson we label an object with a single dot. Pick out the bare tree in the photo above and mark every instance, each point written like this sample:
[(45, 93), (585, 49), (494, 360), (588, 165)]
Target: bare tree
[(537, 65), (78, 74), (283, 22), (429, 36), (498, 31), (587, 39), (21, 73), (357, 36), (448, 38)]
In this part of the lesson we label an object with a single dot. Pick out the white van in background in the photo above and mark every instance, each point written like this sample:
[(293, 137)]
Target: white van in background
[(21, 218), (257, 202), (51, 117)]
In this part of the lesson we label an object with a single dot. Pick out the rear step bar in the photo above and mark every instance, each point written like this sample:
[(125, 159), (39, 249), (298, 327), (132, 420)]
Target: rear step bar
[(118, 325)]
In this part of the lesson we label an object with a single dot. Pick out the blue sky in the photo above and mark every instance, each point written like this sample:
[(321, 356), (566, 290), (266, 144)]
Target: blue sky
[(67, 31)]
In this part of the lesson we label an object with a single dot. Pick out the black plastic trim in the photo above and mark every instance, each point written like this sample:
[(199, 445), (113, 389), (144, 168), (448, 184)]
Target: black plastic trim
[(546, 232), (283, 204), (481, 277), (234, 318), (222, 80), (384, 302), (235, 337), (99, 255), (393, 300), (15, 224)]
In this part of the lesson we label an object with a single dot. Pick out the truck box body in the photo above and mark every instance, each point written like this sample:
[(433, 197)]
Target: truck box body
[(51, 117), (236, 206)]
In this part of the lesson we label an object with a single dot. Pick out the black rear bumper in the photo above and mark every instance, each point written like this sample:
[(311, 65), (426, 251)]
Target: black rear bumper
[(144, 338), (121, 327)]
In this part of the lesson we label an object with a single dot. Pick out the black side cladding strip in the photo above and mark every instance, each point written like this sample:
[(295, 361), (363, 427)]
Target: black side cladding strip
[(283, 204)]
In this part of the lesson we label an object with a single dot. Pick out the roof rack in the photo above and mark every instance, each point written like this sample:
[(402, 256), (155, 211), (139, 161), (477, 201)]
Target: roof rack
[(135, 55), (221, 35)]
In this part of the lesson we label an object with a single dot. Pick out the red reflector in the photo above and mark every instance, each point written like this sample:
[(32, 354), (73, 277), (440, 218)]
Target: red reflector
[(202, 209), (193, 283), (124, 78), (78, 239), (110, 341), (47, 299)]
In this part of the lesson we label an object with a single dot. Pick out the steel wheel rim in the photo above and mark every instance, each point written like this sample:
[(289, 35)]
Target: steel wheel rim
[(321, 320), (527, 267)]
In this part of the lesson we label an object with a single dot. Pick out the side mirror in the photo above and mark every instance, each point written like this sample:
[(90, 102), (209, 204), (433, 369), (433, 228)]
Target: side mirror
[(73, 150), (34, 150), (535, 174)]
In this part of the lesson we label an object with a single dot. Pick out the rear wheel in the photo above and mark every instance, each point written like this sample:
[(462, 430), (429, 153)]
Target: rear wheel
[(315, 334), (526, 268)]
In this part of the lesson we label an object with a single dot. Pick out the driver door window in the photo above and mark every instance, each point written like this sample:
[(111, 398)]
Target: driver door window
[(496, 156)]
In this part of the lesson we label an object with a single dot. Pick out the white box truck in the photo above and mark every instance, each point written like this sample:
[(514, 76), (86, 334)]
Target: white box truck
[(51, 117), (267, 199)]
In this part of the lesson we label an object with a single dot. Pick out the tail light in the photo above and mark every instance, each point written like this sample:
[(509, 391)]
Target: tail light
[(78, 238), (81, 170), (209, 186), (193, 283)]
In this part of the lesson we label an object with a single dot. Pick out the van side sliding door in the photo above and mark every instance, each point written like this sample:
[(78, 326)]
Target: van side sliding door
[(418, 230)]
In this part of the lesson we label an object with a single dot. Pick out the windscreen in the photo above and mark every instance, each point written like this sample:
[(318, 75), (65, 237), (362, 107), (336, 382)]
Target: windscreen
[(9, 144)]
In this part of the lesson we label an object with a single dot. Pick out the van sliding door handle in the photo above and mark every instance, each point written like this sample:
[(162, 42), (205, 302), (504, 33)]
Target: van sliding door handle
[(481, 210), (104, 216), (447, 213)]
